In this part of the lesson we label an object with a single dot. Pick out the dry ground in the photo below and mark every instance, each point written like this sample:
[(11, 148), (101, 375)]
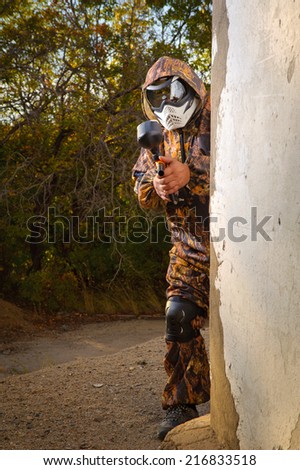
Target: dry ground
[(90, 386)]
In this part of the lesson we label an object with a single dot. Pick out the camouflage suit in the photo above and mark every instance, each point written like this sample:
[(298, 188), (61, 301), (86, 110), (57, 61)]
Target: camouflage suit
[(186, 363)]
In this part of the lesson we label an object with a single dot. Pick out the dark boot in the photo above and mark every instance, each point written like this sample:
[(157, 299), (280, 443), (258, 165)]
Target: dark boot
[(175, 415)]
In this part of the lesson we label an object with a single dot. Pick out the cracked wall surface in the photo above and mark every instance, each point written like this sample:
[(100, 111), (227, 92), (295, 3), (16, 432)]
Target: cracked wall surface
[(224, 419), (255, 199)]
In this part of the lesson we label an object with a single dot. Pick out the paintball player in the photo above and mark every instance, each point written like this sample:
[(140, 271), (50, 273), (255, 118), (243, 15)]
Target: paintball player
[(175, 96)]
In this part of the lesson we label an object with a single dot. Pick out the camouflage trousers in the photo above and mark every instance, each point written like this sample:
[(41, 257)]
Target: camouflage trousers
[(186, 363), (187, 368)]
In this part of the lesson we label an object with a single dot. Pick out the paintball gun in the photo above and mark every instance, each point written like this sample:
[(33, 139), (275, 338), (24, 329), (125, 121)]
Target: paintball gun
[(149, 136)]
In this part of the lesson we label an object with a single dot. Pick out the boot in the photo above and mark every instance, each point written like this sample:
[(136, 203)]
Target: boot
[(175, 415)]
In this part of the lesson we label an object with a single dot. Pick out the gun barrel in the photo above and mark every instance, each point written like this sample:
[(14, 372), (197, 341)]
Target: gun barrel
[(160, 168)]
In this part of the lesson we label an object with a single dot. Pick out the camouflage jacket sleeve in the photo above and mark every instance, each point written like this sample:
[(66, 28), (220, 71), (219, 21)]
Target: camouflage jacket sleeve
[(199, 156), (143, 174)]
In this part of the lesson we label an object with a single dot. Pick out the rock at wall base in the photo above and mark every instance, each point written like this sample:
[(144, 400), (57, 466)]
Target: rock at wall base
[(192, 435)]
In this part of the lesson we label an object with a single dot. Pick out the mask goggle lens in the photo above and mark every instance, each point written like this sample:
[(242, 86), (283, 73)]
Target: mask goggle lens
[(171, 90)]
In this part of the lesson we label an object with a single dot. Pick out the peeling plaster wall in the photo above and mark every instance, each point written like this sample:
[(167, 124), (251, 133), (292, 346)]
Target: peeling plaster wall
[(255, 293), (224, 419)]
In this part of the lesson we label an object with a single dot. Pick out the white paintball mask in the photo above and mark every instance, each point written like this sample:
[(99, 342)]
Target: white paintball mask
[(173, 102)]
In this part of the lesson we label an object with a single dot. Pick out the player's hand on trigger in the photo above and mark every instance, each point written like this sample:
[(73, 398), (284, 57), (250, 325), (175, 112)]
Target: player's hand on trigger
[(176, 176)]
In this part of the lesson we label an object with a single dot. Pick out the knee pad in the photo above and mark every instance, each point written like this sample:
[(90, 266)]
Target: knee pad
[(179, 314)]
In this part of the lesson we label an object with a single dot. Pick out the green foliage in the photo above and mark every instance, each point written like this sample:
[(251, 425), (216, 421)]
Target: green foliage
[(71, 72), (47, 289)]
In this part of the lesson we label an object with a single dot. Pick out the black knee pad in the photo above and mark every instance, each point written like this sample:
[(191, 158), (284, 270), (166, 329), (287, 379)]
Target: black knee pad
[(179, 314)]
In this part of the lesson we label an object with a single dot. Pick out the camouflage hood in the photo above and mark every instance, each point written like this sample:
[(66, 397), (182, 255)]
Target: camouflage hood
[(167, 67)]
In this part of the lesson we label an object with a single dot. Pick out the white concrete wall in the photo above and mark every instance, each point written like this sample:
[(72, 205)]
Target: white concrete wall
[(257, 164)]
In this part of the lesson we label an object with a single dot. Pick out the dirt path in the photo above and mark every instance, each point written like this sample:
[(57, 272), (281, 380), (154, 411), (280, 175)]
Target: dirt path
[(96, 387), (67, 343)]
